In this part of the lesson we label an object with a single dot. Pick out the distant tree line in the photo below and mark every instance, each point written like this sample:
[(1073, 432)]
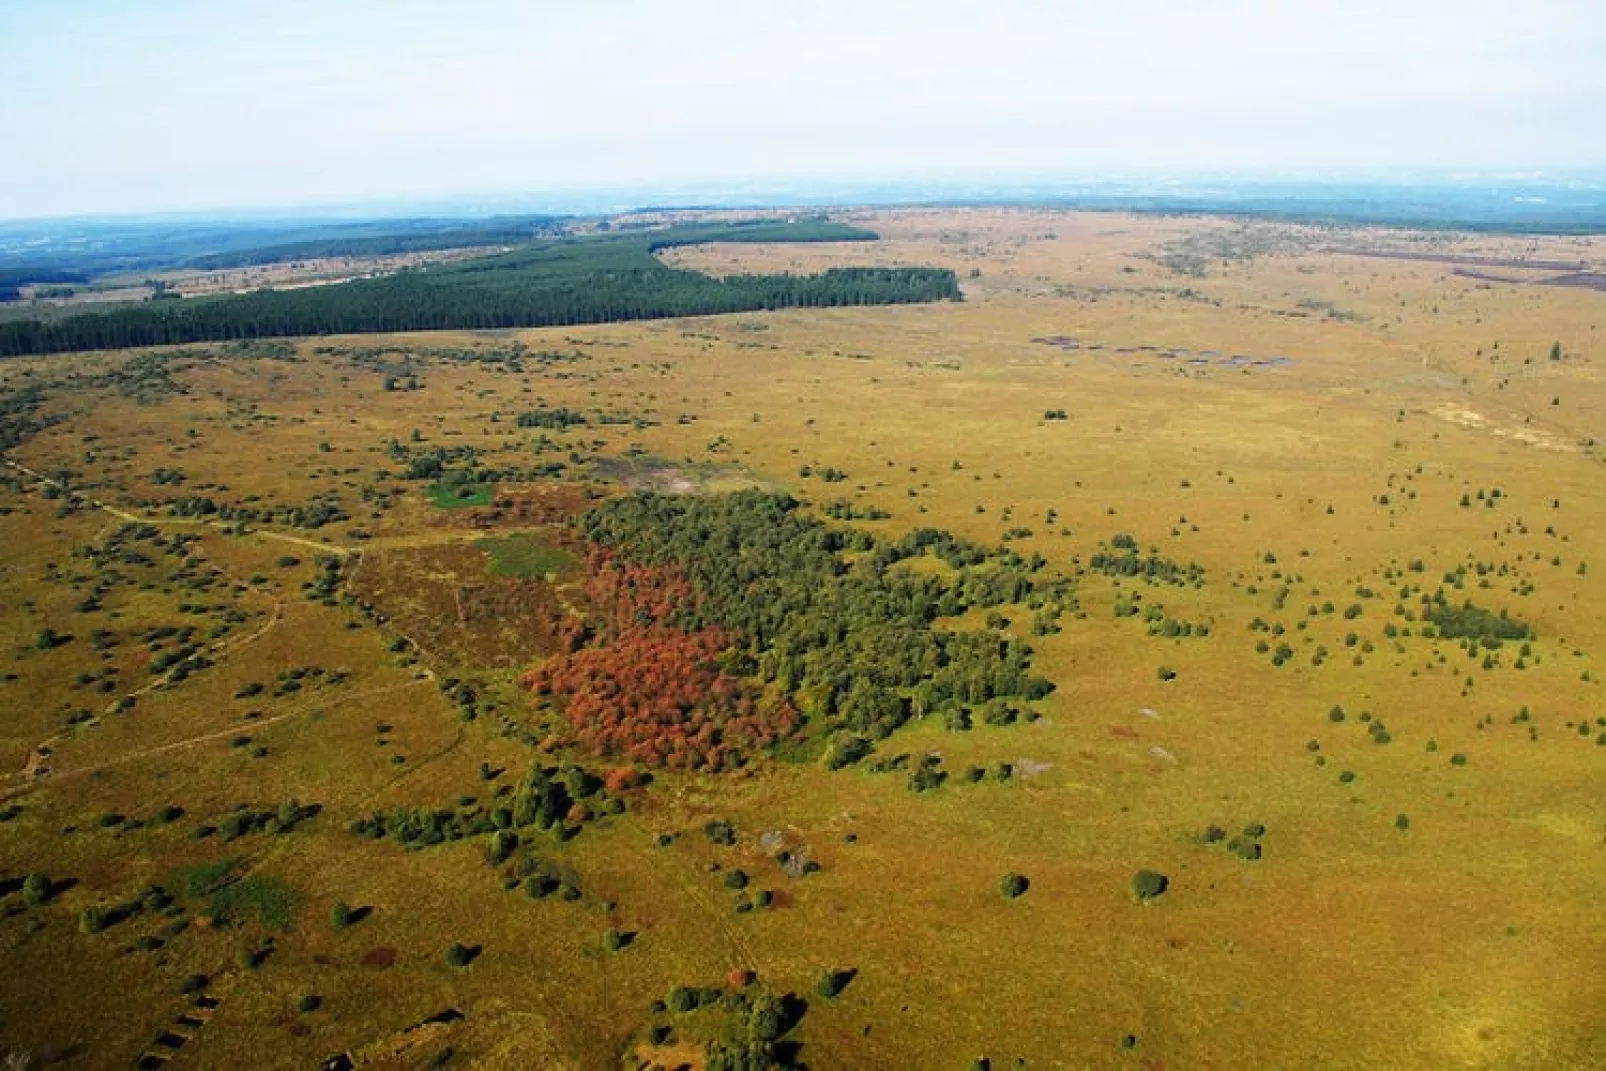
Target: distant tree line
[(23, 274), (593, 280), (504, 230)]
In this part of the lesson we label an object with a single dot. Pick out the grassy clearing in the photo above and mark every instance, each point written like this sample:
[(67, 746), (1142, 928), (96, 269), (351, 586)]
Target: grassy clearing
[(525, 556), (459, 496), (270, 901)]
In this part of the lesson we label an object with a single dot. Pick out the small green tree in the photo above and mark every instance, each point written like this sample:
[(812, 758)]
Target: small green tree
[(459, 955), (833, 982), (36, 890), (1013, 885), (1147, 885)]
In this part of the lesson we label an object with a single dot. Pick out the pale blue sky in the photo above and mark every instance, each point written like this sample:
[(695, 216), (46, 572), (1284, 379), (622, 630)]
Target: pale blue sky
[(147, 105)]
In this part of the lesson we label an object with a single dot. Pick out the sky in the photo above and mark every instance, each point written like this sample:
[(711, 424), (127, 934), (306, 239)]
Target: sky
[(123, 106)]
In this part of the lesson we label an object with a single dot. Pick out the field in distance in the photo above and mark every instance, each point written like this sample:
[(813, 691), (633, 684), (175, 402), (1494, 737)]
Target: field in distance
[(1250, 575)]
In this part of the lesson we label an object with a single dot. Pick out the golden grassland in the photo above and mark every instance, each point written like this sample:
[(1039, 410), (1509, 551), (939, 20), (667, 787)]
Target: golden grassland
[(1473, 938)]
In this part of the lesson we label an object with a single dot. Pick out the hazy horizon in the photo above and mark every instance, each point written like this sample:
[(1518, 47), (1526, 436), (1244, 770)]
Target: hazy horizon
[(183, 107)]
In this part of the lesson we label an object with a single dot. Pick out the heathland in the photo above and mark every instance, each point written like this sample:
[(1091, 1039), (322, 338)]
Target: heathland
[(1185, 650)]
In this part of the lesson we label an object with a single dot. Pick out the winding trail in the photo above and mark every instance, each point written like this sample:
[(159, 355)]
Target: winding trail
[(37, 768)]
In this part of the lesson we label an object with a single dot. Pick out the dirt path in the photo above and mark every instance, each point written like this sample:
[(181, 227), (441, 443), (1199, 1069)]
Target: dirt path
[(207, 737), (192, 522), (649, 856), (36, 768)]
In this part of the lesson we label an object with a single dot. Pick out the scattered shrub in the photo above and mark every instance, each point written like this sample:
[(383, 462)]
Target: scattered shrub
[(833, 982), (1147, 885)]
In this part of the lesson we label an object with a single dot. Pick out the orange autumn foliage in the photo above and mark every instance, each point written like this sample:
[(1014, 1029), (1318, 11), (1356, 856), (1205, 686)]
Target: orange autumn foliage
[(649, 691)]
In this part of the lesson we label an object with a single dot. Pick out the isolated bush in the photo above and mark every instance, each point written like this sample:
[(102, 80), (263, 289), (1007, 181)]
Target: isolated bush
[(1013, 885), (1148, 884), (845, 750), (1245, 848), (501, 846), (833, 982), (36, 890), (459, 955)]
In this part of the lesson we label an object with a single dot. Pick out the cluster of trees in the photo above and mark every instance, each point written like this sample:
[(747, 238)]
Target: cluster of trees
[(459, 468), (549, 798), (853, 642), (14, 278), (843, 510), (656, 693), (323, 509), (19, 415), (571, 281), (1473, 622), (245, 821), (1121, 557), (558, 418), (753, 1026)]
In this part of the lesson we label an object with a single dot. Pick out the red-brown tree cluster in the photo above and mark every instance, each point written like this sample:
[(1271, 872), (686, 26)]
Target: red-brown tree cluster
[(651, 692)]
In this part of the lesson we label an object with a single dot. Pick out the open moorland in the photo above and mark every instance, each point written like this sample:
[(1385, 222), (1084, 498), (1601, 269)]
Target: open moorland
[(1186, 650)]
